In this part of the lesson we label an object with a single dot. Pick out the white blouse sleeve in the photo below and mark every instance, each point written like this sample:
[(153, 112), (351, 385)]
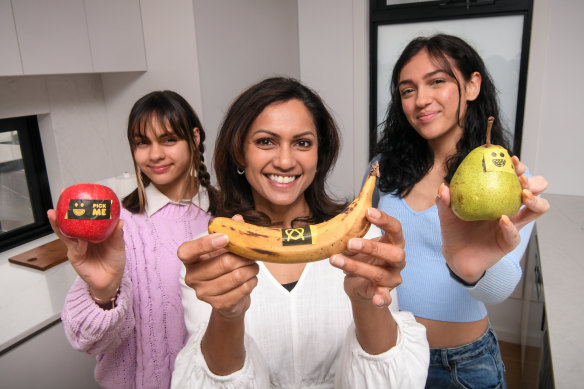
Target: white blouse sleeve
[(403, 366), (191, 371)]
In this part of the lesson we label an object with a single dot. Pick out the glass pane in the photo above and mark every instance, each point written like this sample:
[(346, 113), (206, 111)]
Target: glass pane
[(497, 39), (15, 206)]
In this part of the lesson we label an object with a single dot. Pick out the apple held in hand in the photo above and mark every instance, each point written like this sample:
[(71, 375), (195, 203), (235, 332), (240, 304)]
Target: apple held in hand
[(88, 211)]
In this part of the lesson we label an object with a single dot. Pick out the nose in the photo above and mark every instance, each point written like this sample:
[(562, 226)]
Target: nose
[(423, 97), (156, 152), (284, 159)]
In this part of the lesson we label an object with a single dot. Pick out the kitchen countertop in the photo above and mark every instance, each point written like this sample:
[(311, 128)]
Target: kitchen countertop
[(560, 235), (31, 299)]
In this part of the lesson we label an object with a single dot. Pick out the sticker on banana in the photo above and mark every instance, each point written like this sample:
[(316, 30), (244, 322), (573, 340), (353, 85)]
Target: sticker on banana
[(301, 244)]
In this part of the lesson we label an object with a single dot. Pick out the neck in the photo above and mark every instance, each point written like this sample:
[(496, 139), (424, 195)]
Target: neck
[(283, 215), (445, 146)]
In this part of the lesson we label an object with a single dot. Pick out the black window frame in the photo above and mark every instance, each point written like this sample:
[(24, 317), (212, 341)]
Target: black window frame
[(36, 179), (382, 14)]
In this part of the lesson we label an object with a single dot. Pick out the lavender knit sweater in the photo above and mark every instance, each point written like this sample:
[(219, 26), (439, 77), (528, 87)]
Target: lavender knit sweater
[(136, 342)]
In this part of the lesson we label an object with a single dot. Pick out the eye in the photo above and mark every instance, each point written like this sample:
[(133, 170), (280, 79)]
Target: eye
[(437, 81), (304, 143), (139, 142), (264, 142), (493, 154), (406, 92), (502, 155)]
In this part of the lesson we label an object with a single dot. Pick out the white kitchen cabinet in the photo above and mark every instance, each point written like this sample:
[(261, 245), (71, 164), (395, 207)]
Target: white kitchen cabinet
[(10, 64), (73, 36), (52, 36), (115, 35), (47, 361)]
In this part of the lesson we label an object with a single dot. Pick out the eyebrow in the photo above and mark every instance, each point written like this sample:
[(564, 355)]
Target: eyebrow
[(306, 133), (426, 76)]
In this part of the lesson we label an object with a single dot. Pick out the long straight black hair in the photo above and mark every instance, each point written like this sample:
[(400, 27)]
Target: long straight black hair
[(405, 157)]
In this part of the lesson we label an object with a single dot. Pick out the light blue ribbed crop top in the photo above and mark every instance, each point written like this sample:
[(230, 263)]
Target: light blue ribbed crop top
[(427, 289)]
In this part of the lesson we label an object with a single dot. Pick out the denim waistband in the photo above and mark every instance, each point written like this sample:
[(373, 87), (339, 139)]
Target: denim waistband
[(464, 352)]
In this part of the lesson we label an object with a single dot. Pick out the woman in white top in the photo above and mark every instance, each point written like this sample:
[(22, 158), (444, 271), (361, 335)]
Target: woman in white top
[(306, 325)]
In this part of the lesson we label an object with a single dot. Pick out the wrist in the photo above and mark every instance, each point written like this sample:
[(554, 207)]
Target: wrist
[(107, 302)]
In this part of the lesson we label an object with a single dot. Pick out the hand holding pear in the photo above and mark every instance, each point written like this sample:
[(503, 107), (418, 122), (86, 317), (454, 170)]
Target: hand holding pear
[(485, 185)]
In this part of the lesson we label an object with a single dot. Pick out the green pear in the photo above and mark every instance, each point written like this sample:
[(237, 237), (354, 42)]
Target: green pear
[(485, 185)]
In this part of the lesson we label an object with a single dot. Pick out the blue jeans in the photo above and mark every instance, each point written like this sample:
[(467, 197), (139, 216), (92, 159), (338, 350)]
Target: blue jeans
[(474, 365)]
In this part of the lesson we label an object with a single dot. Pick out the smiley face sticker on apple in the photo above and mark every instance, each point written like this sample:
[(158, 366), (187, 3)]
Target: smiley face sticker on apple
[(88, 211)]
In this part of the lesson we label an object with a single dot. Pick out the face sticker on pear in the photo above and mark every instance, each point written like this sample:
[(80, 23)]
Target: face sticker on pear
[(497, 159)]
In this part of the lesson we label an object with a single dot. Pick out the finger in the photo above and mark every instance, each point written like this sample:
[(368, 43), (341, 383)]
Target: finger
[(534, 207), (230, 301), (536, 184), (509, 237), (443, 204), (190, 252), (387, 253), (520, 167), (226, 282), (391, 226), (378, 275), (382, 297), (238, 217)]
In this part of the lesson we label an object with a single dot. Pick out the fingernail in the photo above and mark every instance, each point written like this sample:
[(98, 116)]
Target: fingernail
[(374, 213), (505, 219), (337, 261), (527, 193), (355, 244), (219, 240)]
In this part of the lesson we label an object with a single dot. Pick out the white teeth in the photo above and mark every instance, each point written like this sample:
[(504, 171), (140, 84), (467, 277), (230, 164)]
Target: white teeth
[(281, 179)]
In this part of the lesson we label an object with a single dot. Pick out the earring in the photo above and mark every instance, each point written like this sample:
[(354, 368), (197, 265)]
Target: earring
[(240, 171)]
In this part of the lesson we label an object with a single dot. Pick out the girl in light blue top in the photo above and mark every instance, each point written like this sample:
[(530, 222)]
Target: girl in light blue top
[(441, 98)]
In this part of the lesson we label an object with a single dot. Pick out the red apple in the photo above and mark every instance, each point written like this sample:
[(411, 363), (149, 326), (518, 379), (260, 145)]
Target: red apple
[(88, 211)]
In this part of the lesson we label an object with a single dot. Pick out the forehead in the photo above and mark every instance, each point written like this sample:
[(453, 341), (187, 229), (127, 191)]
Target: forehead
[(153, 126), (424, 63), (291, 115)]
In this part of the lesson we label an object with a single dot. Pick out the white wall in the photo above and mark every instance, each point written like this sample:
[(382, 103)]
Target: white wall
[(171, 56), (72, 122), (334, 62), (553, 132), (240, 43)]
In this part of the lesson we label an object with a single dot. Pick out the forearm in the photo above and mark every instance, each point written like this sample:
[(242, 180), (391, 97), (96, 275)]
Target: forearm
[(375, 327), (223, 344)]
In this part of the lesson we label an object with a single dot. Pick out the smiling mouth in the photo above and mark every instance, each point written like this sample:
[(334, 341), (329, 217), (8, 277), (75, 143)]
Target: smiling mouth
[(281, 179)]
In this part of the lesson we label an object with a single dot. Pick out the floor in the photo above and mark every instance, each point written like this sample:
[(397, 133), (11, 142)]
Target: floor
[(518, 378)]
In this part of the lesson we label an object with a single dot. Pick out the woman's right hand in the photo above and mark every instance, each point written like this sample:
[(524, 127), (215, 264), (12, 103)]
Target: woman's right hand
[(100, 265), (220, 278)]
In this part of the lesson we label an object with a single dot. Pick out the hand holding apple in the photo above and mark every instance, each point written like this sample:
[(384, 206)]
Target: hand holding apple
[(88, 211)]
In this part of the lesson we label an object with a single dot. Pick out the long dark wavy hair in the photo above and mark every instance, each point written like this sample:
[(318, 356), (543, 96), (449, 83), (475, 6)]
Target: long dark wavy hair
[(405, 157), (168, 108), (235, 194)]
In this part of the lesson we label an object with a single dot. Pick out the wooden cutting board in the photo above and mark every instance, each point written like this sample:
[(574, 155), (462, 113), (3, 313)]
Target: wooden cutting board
[(43, 257)]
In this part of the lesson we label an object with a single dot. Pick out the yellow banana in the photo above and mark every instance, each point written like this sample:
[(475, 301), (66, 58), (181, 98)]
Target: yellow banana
[(302, 244)]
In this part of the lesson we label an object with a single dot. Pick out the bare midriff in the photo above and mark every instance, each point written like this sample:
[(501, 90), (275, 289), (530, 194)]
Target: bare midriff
[(443, 334)]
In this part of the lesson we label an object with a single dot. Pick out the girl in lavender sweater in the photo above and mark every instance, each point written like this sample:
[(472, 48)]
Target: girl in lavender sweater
[(125, 306)]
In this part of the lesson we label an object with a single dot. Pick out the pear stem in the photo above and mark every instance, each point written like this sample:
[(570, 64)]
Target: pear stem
[(489, 126)]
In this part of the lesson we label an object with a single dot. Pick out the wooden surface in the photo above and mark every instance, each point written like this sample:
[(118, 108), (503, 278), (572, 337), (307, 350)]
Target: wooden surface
[(43, 257)]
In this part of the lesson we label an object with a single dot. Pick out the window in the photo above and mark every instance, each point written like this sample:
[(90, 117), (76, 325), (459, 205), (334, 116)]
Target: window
[(25, 195)]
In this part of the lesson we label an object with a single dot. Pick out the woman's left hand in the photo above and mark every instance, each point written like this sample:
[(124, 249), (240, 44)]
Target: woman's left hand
[(470, 248), (373, 267)]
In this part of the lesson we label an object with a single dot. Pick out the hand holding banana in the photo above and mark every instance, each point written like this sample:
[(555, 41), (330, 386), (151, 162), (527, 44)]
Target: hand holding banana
[(302, 244), (221, 279)]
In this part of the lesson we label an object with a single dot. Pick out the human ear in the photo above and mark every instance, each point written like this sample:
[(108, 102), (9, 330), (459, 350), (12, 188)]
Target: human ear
[(196, 136), (473, 86)]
